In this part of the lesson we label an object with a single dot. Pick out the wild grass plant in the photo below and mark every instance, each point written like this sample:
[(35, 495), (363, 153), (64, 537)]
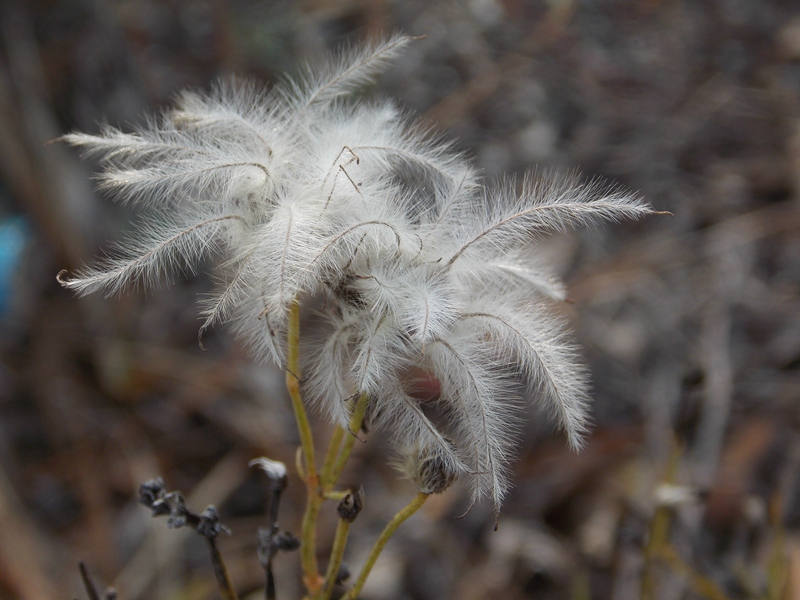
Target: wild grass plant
[(433, 302)]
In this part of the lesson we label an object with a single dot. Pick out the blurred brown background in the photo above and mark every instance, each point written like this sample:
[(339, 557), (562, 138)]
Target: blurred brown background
[(690, 325)]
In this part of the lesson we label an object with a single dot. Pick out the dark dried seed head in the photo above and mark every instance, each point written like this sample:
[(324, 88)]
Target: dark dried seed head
[(151, 491), (351, 505), (286, 542), (343, 574), (209, 525), (431, 473)]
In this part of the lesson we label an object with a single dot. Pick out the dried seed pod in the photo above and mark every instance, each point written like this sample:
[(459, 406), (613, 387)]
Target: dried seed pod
[(209, 525), (351, 505), (275, 471), (432, 473), (343, 575)]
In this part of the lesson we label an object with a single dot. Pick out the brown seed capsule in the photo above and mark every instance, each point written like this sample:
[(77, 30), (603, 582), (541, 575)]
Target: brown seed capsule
[(351, 505), (431, 473)]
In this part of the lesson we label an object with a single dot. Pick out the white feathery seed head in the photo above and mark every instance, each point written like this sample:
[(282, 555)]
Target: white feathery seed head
[(433, 302)]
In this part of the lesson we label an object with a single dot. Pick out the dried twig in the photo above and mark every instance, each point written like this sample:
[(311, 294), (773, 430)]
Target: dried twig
[(153, 495), (272, 540)]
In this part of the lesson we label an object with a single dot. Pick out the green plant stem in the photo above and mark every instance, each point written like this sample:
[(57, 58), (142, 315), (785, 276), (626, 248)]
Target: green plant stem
[(658, 538), (335, 460), (337, 554), (330, 457), (702, 585), (293, 386), (777, 566), (308, 551), (319, 485), (356, 421), (308, 557), (391, 527)]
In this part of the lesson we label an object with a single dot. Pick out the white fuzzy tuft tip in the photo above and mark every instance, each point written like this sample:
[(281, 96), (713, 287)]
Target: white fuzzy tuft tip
[(274, 469)]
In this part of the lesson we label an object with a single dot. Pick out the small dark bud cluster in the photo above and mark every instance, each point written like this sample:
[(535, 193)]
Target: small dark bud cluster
[(351, 505), (343, 575), (209, 525), (179, 514), (269, 543), (153, 494)]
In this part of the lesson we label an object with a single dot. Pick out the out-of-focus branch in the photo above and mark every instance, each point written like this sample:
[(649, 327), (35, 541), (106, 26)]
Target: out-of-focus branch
[(42, 177)]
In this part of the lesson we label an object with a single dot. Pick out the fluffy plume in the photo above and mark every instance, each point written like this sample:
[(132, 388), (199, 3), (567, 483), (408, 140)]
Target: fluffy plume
[(433, 301)]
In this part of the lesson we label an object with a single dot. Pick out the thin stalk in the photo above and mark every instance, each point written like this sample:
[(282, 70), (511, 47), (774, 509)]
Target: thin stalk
[(224, 582), (658, 538), (333, 495), (308, 550), (330, 457), (293, 386), (308, 554), (778, 561), (355, 426), (91, 591), (337, 554), (270, 593), (392, 526), (702, 585)]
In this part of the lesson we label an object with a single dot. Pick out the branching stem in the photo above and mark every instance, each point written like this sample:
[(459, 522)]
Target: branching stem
[(337, 554), (308, 556), (319, 485), (391, 527), (330, 458), (293, 386), (356, 421)]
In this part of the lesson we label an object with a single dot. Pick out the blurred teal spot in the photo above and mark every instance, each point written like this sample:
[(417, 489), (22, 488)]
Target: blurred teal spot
[(14, 233)]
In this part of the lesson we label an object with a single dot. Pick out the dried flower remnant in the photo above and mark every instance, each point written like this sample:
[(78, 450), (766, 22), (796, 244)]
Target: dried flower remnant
[(272, 540), (303, 190), (154, 495), (427, 470), (351, 505)]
